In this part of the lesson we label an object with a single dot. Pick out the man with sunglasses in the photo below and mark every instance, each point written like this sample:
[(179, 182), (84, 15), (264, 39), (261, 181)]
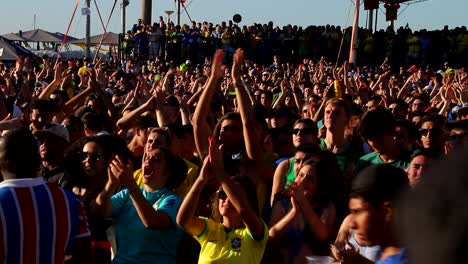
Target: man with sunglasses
[(53, 140), (433, 135), (457, 134)]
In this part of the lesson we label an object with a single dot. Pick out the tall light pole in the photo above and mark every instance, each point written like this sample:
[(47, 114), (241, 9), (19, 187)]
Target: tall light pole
[(88, 29), (178, 12), (354, 36), (169, 13), (123, 5), (146, 11)]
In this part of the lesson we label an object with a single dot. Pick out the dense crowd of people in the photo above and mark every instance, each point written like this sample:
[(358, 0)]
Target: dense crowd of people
[(272, 154), (260, 42)]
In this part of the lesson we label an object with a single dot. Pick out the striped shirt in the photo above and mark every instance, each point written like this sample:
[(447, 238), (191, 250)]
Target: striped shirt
[(38, 221)]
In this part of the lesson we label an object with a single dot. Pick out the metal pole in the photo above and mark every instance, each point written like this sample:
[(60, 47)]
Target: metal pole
[(178, 12), (146, 11), (371, 21), (88, 30), (354, 36), (124, 14), (376, 18)]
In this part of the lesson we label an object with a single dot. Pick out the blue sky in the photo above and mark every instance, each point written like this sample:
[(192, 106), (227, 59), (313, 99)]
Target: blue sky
[(53, 15)]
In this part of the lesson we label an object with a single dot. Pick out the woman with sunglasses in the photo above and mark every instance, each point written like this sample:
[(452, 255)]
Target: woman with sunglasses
[(86, 163), (235, 233), (304, 132), (304, 215)]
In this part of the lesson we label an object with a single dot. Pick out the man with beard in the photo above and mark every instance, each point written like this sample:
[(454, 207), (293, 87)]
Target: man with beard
[(53, 139)]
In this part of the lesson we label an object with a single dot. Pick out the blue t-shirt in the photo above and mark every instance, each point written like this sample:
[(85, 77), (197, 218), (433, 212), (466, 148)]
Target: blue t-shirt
[(137, 244), (370, 252), (399, 258)]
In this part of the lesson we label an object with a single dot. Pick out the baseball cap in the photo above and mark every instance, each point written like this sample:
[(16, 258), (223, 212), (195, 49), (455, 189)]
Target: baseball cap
[(54, 129)]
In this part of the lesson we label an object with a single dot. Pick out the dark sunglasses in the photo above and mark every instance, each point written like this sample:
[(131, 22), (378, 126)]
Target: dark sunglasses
[(456, 137), (304, 131), (91, 156), (425, 131), (221, 195)]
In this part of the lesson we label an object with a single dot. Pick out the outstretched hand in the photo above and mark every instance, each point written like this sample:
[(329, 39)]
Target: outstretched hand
[(236, 66), (121, 171), (217, 67), (216, 156)]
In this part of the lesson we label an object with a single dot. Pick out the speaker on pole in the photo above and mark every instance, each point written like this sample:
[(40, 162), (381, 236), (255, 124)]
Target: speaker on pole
[(371, 4), (237, 18)]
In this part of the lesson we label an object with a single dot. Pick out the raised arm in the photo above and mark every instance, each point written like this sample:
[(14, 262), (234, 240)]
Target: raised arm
[(126, 121), (236, 194), (282, 97), (281, 220), (102, 206), (186, 217), (320, 226), (73, 103), (201, 128), (150, 217), (252, 142), (279, 179)]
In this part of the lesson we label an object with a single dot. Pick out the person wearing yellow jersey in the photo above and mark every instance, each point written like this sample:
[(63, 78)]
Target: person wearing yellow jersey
[(84, 69), (234, 233)]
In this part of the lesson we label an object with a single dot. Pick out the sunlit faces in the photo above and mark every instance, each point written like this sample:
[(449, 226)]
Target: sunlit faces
[(335, 117), (416, 168), (418, 106), (266, 100), (431, 135), (92, 159), (307, 178), (230, 133), (156, 140), (225, 207), (300, 157), (154, 163), (302, 134), (367, 222), (40, 118)]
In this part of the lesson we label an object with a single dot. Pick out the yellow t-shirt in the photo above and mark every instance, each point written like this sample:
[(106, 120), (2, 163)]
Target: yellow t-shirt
[(82, 70), (184, 188), (237, 246)]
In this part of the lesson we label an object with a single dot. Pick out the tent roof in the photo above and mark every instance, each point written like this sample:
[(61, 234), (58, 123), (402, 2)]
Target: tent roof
[(41, 36), (10, 51), (13, 37), (110, 39)]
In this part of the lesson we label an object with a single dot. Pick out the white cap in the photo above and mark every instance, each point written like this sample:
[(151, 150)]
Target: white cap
[(56, 130)]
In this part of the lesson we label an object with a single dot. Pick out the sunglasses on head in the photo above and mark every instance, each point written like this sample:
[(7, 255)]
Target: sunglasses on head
[(303, 131), (221, 195), (91, 156)]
